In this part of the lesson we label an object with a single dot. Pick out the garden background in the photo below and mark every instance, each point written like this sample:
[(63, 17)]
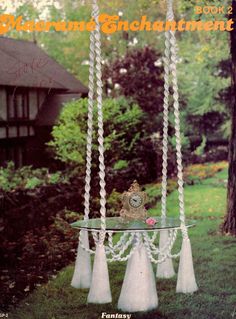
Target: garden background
[(38, 204)]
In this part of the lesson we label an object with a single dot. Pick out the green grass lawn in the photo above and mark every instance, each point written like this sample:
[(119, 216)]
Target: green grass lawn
[(214, 261)]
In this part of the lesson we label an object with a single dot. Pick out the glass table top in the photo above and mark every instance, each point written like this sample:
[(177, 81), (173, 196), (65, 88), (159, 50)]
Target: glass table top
[(118, 224)]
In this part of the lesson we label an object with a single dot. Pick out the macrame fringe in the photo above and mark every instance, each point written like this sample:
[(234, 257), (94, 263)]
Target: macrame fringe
[(100, 286), (165, 269), (186, 282), (82, 273), (138, 291)]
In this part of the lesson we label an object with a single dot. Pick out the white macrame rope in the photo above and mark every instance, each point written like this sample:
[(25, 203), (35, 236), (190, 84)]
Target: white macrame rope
[(118, 257), (89, 138), (95, 237), (153, 237), (95, 62), (166, 59), (172, 234), (119, 244), (123, 245), (100, 123), (90, 128), (177, 127), (164, 255), (90, 251), (170, 69)]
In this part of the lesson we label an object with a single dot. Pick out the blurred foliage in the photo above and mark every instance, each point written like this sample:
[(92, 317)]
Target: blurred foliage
[(27, 178), (114, 203), (196, 173), (193, 174), (139, 74), (154, 191), (120, 164), (200, 149)]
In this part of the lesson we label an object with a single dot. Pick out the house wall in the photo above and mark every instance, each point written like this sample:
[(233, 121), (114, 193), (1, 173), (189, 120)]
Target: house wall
[(3, 104), (19, 128), (15, 134)]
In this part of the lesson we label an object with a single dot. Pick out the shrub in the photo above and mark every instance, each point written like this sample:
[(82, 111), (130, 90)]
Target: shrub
[(27, 178), (121, 164), (122, 130)]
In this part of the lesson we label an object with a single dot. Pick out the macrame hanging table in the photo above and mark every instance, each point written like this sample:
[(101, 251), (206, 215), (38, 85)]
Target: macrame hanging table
[(135, 246), (141, 245)]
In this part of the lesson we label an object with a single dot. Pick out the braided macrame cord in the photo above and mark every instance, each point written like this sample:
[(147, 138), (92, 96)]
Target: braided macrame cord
[(170, 73), (82, 275), (135, 247), (186, 282)]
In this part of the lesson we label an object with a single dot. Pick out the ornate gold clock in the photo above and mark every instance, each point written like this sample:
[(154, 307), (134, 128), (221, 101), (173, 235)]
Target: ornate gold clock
[(133, 203)]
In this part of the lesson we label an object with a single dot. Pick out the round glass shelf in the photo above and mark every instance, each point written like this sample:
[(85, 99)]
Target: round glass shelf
[(118, 224)]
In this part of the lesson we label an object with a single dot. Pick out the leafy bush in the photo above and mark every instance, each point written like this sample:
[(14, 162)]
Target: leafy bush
[(122, 123), (27, 177), (120, 164)]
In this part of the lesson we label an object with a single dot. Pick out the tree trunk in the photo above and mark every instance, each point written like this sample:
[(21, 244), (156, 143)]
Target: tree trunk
[(229, 225)]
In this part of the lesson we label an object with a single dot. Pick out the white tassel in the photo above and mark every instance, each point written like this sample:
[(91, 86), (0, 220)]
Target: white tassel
[(100, 287), (186, 282), (138, 291), (165, 269), (82, 273)]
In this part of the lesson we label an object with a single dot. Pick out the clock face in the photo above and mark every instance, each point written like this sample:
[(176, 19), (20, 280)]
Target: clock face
[(135, 201)]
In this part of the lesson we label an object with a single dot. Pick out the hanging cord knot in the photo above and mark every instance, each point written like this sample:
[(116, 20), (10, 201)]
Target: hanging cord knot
[(184, 231)]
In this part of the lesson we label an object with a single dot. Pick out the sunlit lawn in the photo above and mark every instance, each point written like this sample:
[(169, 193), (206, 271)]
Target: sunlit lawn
[(214, 260)]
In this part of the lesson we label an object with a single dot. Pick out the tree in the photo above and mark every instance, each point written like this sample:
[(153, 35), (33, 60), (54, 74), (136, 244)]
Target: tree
[(138, 75), (229, 225)]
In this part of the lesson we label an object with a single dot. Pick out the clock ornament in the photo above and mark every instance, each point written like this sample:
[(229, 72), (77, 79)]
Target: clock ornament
[(133, 203)]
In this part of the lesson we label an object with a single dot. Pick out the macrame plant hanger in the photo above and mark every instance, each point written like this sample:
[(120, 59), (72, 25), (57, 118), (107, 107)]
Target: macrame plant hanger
[(139, 277)]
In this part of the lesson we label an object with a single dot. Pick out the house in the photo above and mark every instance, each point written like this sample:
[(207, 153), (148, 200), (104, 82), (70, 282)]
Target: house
[(33, 88)]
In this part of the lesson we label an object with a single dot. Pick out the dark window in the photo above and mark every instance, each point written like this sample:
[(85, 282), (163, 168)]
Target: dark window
[(17, 104), (13, 151)]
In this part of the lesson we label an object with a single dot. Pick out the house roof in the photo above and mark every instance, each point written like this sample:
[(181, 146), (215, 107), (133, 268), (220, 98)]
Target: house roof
[(52, 107), (25, 64)]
